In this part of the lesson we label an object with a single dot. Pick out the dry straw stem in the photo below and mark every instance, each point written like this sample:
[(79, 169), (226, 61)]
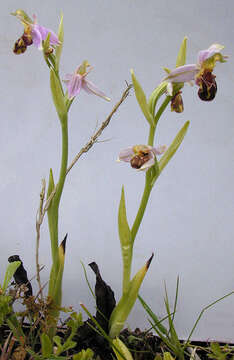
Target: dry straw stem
[(39, 220), (90, 143), (42, 210)]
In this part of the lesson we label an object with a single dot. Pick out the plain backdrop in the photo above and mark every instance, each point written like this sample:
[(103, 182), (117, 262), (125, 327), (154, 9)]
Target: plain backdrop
[(189, 220)]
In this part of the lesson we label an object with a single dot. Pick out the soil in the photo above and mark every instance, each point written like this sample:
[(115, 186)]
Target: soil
[(143, 345)]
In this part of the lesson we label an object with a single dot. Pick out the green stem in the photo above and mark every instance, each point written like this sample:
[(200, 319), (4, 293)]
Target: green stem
[(141, 210), (148, 177), (161, 109), (64, 160), (151, 135), (146, 193), (53, 211)]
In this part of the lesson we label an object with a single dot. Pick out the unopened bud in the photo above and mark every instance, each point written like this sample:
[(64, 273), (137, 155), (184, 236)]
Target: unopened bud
[(177, 103)]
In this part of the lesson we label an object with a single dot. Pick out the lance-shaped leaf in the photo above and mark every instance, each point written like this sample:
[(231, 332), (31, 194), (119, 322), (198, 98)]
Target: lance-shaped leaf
[(156, 94), (51, 183), (181, 57), (84, 355), (141, 98), (46, 346), (125, 305), (121, 350), (168, 356), (51, 213), (11, 269), (46, 45), (58, 96), (57, 296), (126, 242), (51, 186), (59, 47), (156, 320), (173, 147), (105, 298), (68, 344)]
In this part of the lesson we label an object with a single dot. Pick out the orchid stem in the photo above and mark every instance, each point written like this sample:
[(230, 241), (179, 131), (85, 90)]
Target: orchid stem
[(141, 210), (148, 177), (53, 211)]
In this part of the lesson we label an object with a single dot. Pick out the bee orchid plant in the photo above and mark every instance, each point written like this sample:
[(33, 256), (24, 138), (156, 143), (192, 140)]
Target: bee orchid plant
[(51, 45), (148, 157), (145, 158)]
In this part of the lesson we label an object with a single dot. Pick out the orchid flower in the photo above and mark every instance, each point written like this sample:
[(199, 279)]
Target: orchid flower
[(201, 72), (77, 81), (33, 33), (141, 157)]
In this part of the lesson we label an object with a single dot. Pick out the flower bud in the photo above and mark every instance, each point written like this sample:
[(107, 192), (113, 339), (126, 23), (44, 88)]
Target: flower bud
[(177, 103)]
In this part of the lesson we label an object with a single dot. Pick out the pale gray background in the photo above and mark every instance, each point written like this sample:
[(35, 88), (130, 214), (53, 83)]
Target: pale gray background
[(189, 220)]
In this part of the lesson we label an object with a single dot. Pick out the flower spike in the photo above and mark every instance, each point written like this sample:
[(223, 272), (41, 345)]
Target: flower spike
[(201, 72)]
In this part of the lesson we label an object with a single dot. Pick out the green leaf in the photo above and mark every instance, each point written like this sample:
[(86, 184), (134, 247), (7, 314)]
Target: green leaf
[(58, 50), (122, 349), (156, 94), (46, 346), (46, 44), (51, 183), (154, 172), (154, 317), (181, 57), (84, 355), (125, 241), (124, 230), (172, 332), (167, 356), (57, 340), (58, 96), (173, 147), (11, 269), (123, 308), (141, 98)]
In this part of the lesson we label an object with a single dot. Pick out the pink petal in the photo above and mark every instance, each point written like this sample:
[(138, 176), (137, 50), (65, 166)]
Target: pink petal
[(126, 154), (208, 53), (183, 73), (74, 85), (37, 39), (68, 78), (159, 150), (89, 87)]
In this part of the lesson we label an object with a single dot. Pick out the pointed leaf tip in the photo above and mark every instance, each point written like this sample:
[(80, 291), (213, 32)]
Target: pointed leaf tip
[(149, 261), (141, 98), (94, 267), (63, 244), (181, 58)]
